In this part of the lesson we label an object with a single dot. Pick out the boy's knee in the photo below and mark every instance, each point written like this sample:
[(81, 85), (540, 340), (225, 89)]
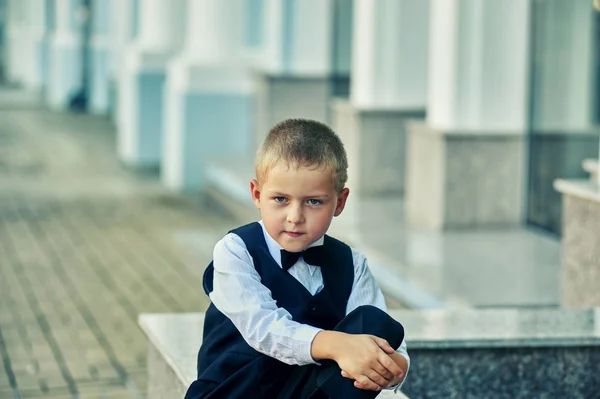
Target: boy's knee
[(369, 319), (368, 311)]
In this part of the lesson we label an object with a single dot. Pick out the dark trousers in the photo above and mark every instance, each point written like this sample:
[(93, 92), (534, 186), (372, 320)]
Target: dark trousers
[(325, 381)]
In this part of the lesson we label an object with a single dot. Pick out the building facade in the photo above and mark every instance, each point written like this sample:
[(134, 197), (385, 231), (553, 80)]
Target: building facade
[(469, 109)]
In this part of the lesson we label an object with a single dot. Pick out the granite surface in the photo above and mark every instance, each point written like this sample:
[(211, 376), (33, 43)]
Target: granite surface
[(502, 353), (580, 276), (547, 372)]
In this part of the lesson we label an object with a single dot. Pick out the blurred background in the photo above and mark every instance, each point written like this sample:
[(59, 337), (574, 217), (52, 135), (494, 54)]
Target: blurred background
[(128, 130)]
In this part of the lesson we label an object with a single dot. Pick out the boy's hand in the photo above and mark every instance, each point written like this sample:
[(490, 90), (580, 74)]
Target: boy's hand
[(366, 360), (363, 358)]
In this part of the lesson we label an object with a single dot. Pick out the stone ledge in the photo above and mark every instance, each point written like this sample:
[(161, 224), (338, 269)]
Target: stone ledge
[(584, 189), (174, 340), (454, 353), (500, 328)]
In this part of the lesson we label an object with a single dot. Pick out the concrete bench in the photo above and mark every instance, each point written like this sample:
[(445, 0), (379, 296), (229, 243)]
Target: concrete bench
[(454, 353), (173, 342)]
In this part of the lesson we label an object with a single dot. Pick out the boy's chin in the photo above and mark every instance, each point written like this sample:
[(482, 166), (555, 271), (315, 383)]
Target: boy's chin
[(293, 244)]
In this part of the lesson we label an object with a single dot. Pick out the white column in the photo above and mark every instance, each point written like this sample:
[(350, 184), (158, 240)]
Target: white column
[(64, 54), (121, 27), (122, 32), (295, 68), (160, 25), (160, 36), (34, 30), (388, 87), (389, 54), (466, 166), (298, 37), (564, 85), (100, 54), (14, 40), (479, 65), (208, 94), (215, 31)]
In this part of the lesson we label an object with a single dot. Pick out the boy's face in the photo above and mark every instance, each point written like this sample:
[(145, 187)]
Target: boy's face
[(297, 204)]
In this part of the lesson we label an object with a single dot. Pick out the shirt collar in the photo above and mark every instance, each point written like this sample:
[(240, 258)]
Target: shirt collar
[(275, 248)]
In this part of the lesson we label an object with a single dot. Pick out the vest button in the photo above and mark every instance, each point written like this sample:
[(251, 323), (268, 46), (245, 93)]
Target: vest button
[(313, 308)]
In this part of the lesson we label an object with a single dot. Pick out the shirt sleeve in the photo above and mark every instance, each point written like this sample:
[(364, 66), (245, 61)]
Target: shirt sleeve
[(239, 294), (366, 291)]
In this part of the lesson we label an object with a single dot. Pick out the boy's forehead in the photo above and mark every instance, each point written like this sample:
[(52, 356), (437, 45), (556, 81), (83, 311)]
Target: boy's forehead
[(309, 177)]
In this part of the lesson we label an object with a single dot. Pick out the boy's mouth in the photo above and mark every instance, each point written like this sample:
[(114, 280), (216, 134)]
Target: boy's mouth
[(293, 234)]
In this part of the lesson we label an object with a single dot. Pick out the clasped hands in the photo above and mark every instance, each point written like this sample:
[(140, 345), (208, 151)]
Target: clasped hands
[(368, 360)]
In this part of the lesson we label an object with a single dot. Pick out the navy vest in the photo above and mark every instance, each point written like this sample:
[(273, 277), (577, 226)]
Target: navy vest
[(226, 359)]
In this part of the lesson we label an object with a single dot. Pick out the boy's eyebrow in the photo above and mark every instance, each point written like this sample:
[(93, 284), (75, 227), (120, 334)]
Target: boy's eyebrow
[(279, 193)]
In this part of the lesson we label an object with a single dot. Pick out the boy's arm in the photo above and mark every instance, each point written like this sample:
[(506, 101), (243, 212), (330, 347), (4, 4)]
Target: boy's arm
[(366, 291), (239, 294)]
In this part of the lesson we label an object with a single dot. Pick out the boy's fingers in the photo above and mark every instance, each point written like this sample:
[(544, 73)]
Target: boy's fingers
[(345, 375), (385, 373), (365, 383), (390, 365), (384, 345), (377, 378)]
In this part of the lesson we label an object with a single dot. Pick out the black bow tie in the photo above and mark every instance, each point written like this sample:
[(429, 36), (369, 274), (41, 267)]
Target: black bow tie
[(313, 256)]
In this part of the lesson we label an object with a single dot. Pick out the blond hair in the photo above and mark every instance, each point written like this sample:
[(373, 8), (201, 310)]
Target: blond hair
[(303, 142)]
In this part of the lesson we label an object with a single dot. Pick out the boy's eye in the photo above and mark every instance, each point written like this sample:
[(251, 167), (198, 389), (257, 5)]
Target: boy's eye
[(314, 202), (279, 200)]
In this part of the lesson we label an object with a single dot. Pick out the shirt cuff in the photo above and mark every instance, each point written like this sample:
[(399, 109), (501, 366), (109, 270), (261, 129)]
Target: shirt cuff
[(397, 387), (303, 344)]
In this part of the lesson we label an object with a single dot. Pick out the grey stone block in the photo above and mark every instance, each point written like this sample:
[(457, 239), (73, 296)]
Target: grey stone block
[(375, 142), (464, 179), (580, 276), (280, 97)]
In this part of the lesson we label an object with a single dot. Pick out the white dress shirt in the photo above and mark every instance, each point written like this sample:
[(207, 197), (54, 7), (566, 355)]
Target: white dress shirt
[(239, 294)]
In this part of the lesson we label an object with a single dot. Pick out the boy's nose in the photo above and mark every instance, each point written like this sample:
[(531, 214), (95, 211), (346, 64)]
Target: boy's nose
[(295, 215)]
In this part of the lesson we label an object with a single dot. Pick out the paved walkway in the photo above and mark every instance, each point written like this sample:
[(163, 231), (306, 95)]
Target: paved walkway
[(85, 246)]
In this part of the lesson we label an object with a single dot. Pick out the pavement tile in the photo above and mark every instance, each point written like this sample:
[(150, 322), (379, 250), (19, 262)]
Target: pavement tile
[(85, 246)]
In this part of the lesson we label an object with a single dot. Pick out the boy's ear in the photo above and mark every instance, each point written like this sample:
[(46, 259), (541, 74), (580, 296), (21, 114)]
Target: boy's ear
[(341, 201), (255, 192)]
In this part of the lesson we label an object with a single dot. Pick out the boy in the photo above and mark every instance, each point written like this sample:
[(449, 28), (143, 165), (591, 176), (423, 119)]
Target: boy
[(296, 313)]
